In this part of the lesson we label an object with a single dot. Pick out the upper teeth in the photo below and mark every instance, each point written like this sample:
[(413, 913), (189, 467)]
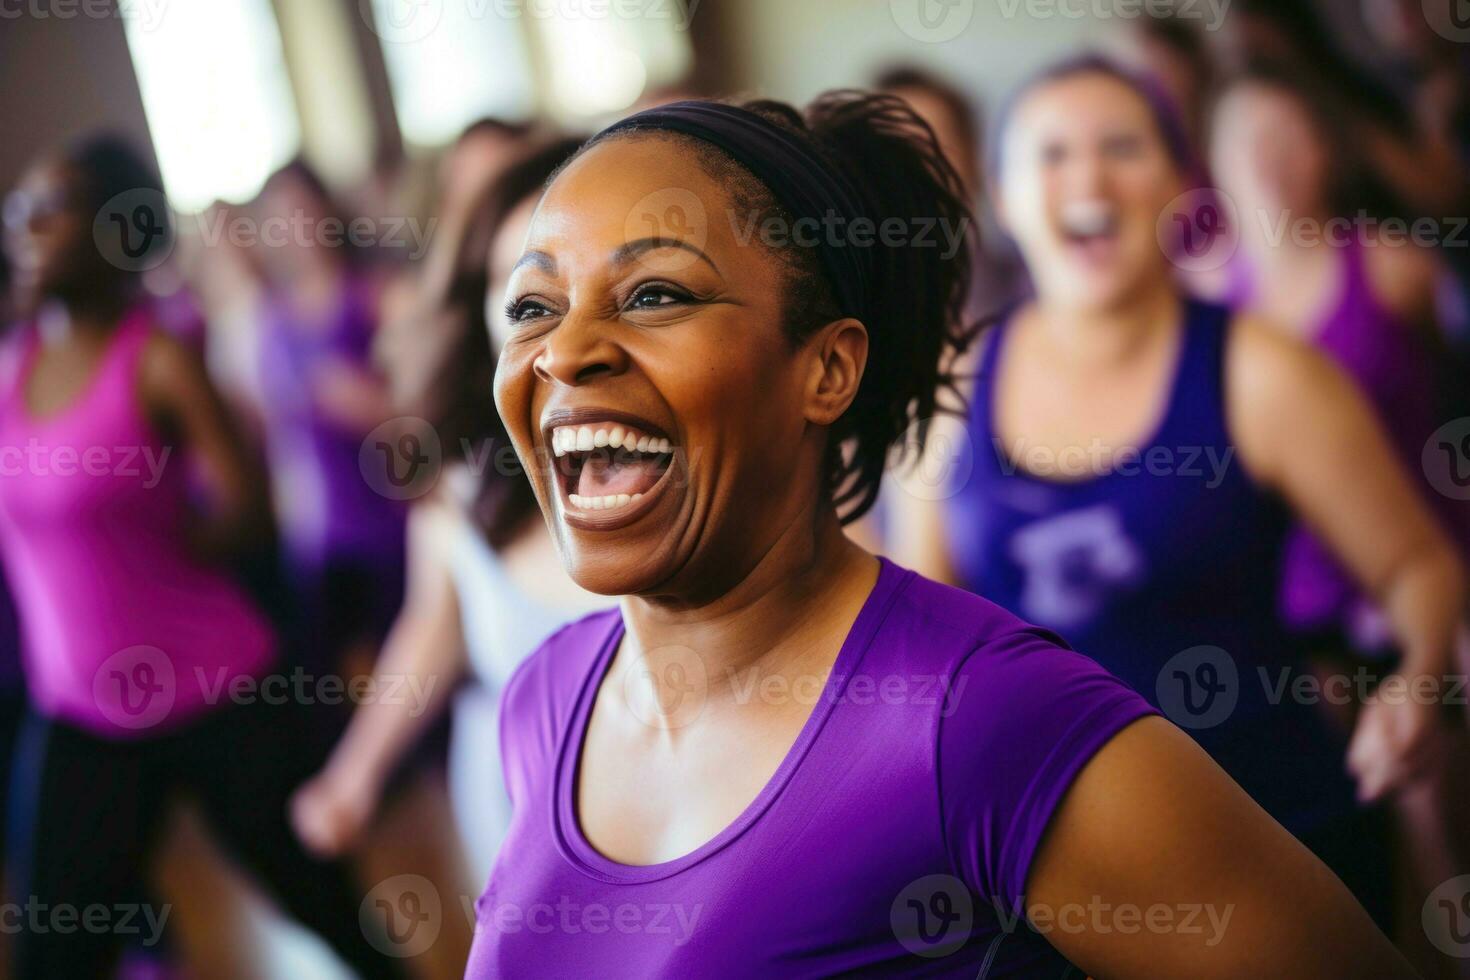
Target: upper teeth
[(1088, 217), (585, 438)]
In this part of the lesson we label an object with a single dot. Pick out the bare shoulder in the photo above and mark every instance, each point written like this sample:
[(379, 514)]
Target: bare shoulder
[(1403, 279), (167, 363), (1275, 384)]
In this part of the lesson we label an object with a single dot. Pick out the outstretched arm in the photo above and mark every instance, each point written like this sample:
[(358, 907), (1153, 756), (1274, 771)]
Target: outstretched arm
[(425, 646), (1304, 428), (1192, 878)]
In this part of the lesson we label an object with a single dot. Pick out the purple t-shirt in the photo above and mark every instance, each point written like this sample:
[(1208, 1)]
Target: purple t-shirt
[(895, 837)]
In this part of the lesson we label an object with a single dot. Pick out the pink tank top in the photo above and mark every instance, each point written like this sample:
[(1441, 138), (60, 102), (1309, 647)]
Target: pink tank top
[(124, 633)]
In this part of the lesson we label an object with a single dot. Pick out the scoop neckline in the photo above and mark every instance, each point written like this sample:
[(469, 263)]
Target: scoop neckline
[(571, 841), (1173, 397), (91, 388)]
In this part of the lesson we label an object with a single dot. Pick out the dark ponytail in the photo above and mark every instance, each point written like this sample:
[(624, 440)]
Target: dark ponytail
[(921, 281)]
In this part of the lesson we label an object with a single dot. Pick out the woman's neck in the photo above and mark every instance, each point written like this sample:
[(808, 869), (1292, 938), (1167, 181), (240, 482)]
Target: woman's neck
[(59, 321), (778, 619), (1110, 335)]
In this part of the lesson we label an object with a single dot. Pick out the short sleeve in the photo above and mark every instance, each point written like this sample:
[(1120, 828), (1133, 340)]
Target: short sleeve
[(1025, 716)]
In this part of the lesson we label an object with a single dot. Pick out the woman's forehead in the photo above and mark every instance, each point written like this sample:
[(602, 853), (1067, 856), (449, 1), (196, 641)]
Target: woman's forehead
[(629, 189), (1084, 98)]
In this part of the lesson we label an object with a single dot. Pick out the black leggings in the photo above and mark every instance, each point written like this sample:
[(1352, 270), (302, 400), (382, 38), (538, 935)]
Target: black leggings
[(87, 812)]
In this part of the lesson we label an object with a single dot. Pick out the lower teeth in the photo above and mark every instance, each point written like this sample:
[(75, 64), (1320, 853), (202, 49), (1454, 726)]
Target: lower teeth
[(603, 503)]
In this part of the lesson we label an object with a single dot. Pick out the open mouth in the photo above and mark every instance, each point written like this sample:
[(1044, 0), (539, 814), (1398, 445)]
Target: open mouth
[(609, 466), (1090, 228)]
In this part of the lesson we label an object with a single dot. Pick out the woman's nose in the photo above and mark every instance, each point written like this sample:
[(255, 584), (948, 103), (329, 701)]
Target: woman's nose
[(580, 349)]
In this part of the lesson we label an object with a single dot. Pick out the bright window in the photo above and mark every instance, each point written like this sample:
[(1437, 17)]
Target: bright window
[(602, 57), (451, 62), (217, 97)]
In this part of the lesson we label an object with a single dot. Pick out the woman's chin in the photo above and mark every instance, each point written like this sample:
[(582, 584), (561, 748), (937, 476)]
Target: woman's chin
[(612, 570)]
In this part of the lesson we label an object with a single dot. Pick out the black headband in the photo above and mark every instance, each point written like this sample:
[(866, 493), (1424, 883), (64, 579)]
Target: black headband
[(801, 181)]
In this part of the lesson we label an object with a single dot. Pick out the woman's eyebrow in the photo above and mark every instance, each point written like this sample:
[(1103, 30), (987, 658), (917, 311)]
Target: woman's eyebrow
[(540, 260), (637, 247)]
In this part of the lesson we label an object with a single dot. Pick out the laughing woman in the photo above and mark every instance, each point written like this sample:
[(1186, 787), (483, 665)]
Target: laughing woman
[(745, 768)]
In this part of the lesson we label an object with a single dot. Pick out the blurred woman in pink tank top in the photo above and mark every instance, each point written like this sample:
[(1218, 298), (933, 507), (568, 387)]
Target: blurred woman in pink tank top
[(146, 665)]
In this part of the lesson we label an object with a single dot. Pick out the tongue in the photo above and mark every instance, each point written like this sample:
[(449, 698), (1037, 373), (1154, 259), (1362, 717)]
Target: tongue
[(1095, 248), (602, 477)]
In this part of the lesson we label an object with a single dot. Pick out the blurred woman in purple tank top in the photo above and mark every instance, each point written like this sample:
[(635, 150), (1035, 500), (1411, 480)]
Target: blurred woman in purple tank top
[(1313, 262), (342, 537), (136, 646), (1132, 475)]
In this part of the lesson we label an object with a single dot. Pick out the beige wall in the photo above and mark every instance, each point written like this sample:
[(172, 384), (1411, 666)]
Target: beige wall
[(61, 77), (793, 49)]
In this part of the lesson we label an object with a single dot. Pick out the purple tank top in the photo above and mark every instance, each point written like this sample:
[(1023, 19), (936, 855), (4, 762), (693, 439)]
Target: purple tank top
[(331, 511), (1395, 371), (895, 838), (123, 632), (1164, 568)]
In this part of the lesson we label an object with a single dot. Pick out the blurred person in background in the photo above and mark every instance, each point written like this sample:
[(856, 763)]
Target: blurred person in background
[(128, 621), (1306, 264), (342, 539), (481, 151), (12, 680), (1431, 73), (1406, 122), (327, 425), (12, 714), (1132, 483), (997, 277), (957, 124), (1170, 50), (1411, 162), (227, 275), (485, 586)]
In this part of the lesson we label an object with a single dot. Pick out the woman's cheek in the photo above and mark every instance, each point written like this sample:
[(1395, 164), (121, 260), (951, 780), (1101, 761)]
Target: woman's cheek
[(514, 384)]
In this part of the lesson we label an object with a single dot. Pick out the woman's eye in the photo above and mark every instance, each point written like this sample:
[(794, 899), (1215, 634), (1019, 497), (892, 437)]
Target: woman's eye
[(519, 311), (651, 297), (1123, 147)]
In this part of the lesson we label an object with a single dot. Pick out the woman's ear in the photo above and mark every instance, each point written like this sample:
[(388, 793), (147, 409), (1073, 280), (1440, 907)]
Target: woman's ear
[(839, 353)]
